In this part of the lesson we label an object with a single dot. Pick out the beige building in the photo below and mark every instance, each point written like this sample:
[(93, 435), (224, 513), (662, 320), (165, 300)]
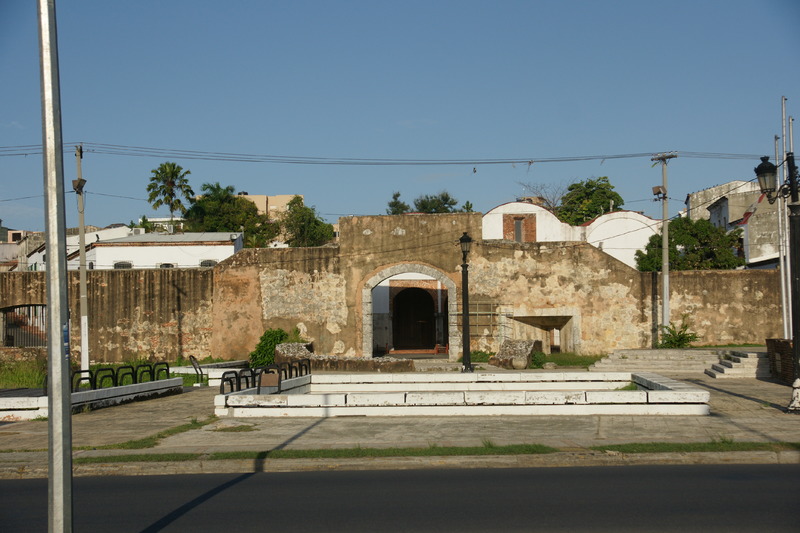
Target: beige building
[(270, 205)]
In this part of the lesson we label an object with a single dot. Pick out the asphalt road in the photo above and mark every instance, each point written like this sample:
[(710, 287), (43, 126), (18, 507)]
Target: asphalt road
[(635, 498)]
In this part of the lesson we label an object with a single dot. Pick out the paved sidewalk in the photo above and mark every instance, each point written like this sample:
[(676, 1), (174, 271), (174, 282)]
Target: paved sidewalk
[(741, 410)]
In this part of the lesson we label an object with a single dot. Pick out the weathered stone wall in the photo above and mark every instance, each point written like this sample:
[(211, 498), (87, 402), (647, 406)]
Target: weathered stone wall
[(602, 300), (156, 314), (260, 289), (598, 303), (727, 306), (318, 290)]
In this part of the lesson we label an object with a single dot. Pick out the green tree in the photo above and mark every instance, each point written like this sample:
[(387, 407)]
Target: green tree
[(438, 203), (303, 227), (397, 206), (693, 245), (219, 209), (143, 223), (168, 184), (588, 199)]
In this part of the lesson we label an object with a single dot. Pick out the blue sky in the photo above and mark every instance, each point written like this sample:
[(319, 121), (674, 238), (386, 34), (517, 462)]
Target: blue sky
[(415, 80)]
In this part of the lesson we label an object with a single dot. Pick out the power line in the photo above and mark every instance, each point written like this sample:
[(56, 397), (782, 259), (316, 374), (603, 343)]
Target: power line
[(142, 151)]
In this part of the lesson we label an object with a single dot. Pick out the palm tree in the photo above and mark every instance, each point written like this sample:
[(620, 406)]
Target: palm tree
[(167, 185)]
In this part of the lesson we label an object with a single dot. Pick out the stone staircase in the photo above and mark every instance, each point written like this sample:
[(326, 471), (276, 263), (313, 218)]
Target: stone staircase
[(658, 361), (738, 364), (716, 363)]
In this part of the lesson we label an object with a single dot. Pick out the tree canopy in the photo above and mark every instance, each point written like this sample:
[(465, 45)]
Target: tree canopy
[(397, 206), (303, 227), (428, 203), (168, 184), (693, 245), (219, 209), (588, 199), (436, 203)]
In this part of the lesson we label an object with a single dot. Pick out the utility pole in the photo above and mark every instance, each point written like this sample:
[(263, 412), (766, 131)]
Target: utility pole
[(784, 207), (59, 404), (663, 158), (782, 255), (77, 186)]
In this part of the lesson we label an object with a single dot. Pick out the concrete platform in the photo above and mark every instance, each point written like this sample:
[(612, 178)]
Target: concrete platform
[(475, 394)]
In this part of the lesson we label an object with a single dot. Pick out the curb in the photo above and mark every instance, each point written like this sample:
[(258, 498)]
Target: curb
[(553, 460)]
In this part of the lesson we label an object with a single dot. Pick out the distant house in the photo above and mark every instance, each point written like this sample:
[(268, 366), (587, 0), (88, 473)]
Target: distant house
[(159, 250), (619, 234), (37, 257), (739, 204)]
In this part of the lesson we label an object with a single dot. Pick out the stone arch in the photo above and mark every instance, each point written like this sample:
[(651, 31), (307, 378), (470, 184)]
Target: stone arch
[(454, 339)]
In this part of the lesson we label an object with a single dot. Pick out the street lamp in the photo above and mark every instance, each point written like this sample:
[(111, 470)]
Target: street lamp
[(466, 244), (767, 175)]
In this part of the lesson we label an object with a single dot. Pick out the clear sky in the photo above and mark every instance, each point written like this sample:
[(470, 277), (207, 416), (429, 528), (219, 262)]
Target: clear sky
[(412, 80)]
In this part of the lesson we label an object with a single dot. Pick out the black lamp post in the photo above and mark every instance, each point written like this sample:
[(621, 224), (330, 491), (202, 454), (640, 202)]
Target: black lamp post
[(466, 244), (767, 175)]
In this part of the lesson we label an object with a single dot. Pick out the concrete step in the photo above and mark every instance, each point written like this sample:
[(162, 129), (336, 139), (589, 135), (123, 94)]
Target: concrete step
[(746, 363), (722, 369), (656, 369), (748, 360), (729, 375), (665, 357)]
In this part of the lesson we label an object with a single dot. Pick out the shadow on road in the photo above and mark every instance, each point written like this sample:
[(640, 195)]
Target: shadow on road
[(189, 506)]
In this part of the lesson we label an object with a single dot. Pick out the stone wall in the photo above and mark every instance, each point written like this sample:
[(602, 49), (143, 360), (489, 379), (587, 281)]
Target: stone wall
[(155, 314), (727, 306), (518, 291), (319, 290)]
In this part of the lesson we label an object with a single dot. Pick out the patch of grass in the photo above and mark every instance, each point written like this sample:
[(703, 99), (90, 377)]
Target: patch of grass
[(236, 429), (151, 441), (715, 445), (567, 359), (629, 386), (480, 356), (189, 379), (22, 374), (430, 451), (142, 458)]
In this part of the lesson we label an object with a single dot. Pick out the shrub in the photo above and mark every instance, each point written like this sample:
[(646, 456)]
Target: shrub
[(264, 354), (538, 359), (674, 336)]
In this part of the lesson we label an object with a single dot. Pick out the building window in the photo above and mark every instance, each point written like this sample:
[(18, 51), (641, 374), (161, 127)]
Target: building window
[(517, 230), (166, 265), (208, 263), (121, 265)]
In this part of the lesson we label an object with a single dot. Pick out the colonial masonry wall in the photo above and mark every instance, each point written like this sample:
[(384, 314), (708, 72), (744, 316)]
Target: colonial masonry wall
[(572, 292)]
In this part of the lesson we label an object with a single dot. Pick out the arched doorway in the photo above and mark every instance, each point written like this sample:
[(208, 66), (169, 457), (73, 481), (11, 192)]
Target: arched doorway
[(413, 320), (448, 327)]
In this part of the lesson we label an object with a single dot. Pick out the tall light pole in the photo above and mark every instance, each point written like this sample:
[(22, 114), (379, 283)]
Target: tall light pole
[(59, 405), (466, 244), (663, 158), (77, 186), (767, 175)]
